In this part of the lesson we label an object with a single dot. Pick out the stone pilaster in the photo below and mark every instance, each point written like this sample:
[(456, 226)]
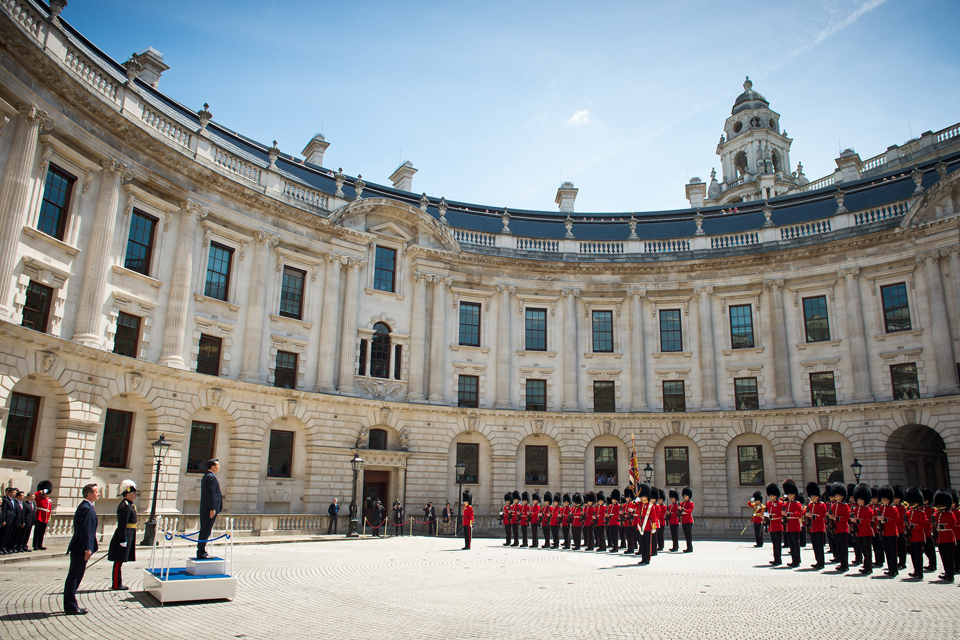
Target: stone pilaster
[(178, 303), (862, 389), (954, 253), (348, 336), (571, 400), (638, 381), (99, 253), (14, 195), (781, 356), (72, 461), (256, 302), (708, 367), (418, 325), (504, 344), (438, 339), (328, 324), (939, 326)]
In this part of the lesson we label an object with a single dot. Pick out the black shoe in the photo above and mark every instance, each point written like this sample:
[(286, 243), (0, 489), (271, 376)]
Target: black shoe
[(866, 572), (892, 574), (688, 550), (855, 564), (843, 569), (78, 612), (122, 587), (756, 546), (42, 549), (524, 544), (465, 549), (930, 567), (818, 567), (515, 544), (506, 544), (793, 565), (643, 563), (776, 564)]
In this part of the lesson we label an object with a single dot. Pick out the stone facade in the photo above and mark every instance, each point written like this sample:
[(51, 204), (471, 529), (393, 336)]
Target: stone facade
[(377, 369)]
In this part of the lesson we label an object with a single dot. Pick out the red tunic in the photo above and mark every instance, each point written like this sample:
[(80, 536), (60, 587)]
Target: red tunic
[(686, 508), (944, 523), (920, 523), (588, 513), (467, 516), (757, 515), (842, 511), (817, 512), (902, 510), (601, 514), (44, 505), (613, 514), (674, 513), (578, 516), (535, 514), (661, 515), (775, 509), (864, 519), (888, 520), (647, 513), (525, 514), (930, 513), (956, 526), (555, 516), (565, 516), (794, 511)]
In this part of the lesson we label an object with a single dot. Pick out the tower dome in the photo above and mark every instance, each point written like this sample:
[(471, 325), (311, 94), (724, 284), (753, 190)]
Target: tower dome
[(749, 99)]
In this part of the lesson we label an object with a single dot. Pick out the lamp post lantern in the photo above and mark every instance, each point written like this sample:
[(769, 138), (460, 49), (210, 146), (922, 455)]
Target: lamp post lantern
[(461, 469), (357, 464), (857, 469), (648, 472), (160, 448)]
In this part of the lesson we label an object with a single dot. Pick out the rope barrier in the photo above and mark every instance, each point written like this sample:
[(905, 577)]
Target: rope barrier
[(186, 536), (371, 524)]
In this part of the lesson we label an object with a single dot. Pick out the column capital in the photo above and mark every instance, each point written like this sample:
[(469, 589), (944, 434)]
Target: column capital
[(637, 294), (570, 293), (950, 251), (929, 256), (191, 207), (774, 285), (441, 281), (32, 113), (849, 273), (355, 263), (335, 258), (506, 289), (262, 236), (114, 168), (421, 277), (707, 290)]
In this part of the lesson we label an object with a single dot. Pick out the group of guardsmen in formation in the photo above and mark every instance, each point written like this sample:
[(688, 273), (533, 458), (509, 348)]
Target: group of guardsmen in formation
[(633, 522), (881, 524)]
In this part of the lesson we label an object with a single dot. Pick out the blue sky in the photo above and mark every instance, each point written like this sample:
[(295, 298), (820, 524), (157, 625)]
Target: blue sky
[(495, 102)]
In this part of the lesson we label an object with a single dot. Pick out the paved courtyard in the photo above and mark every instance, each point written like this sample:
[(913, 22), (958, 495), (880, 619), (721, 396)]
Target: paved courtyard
[(429, 588)]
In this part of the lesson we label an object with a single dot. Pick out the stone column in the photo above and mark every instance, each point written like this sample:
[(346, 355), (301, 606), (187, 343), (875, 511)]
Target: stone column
[(418, 325), (781, 356), (708, 367), (504, 344), (571, 398), (328, 324), (178, 302), (638, 380), (253, 333), (940, 326), (438, 340), (862, 390), (348, 336), (14, 195), (954, 252), (99, 252)]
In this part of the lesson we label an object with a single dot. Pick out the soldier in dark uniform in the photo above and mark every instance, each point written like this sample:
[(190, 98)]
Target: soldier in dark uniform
[(123, 545)]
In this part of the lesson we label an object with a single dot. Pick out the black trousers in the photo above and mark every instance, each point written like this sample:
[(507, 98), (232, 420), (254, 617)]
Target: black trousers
[(467, 536), (612, 531), (398, 528), (890, 551), (555, 528), (688, 534), (645, 547), (332, 527), (506, 532), (38, 532), (206, 527), (661, 534), (840, 550), (916, 557), (10, 536), (546, 536), (515, 530), (534, 540), (793, 541), (675, 536), (857, 549), (758, 533), (946, 557), (523, 530), (902, 551), (566, 536), (576, 531), (776, 538), (866, 549), (25, 536), (817, 539), (74, 575), (878, 551), (956, 559), (631, 534), (929, 548), (588, 536), (601, 538)]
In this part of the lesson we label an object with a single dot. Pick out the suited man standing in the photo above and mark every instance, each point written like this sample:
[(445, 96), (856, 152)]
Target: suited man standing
[(211, 503), (81, 547), (29, 518), (8, 517)]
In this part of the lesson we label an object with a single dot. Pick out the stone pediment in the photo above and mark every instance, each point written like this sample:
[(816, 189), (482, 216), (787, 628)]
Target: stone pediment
[(940, 200), (396, 221)]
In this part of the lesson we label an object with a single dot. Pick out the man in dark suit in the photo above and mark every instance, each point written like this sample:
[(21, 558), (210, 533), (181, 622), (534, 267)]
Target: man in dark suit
[(211, 503), (333, 511), (29, 518), (81, 547), (8, 514)]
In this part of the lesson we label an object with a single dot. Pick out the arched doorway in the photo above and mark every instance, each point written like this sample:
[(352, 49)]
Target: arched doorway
[(916, 455)]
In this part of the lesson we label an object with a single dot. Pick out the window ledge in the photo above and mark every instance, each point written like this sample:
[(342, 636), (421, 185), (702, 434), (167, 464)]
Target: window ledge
[(102, 470), (730, 352), (467, 347), (685, 354), (199, 297), (909, 332), (36, 234), (803, 345), (123, 271), (281, 478), (603, 354), (372, 292), (524, 352), (13, 462), (278, 319)]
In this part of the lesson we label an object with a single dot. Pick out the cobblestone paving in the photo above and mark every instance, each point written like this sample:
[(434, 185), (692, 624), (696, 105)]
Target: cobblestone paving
[(429, 588)]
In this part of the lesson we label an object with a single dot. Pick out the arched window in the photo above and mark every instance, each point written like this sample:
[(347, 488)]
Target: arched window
[(380, 351), (740, 162), (378, 439), (776, 161)]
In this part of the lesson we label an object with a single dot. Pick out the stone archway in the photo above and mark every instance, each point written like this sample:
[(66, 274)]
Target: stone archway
[(916, 455)]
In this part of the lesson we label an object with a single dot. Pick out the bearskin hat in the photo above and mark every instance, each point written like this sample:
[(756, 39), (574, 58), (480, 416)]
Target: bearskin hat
[(615, 495), (813, 489), (663, 495), (898, 492), (628, 493), (548, 497), (956, 497), (508, 497), (885, 491), (566, 497), (942, 499), (862, 492), (773, 490), (536, 496), (927, 494), (525, 496), (590, 497), (600, 497), (802, 499), (610, 499), (467, 496), (645, 490), (913, 496), (874, 492), (577, 499), (125, 487), (556, 496), (839, 489), (44, 486), (687, 491), (674, 494), (850, 488), (789, 486), (757, 495), (654, 493), (516, 495)]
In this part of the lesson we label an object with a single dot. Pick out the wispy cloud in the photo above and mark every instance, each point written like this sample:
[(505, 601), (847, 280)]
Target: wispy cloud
[(580, 117)]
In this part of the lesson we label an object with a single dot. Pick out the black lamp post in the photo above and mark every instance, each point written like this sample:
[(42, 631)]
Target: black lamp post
[(160, 448), (357, 464), (648, 472), (461, 469), (857, 469)]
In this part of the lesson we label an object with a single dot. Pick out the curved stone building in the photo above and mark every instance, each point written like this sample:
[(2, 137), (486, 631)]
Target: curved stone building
[(162, 274)]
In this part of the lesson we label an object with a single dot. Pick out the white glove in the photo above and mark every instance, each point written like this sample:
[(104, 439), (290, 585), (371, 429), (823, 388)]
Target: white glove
[(123, 544)]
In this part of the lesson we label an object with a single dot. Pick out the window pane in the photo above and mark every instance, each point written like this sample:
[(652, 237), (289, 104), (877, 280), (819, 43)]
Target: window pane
[(208, 359), (535, 460), (536, 395), (378, 440), (905, 383), (896, 310), (677, 466), (605, 466), (603, 331), (218, 271), (741, 327), (116, 439), (829, 462), (397, 361), (604, 400), (36, 306), (285, 373), (291, 293), (21, 427), (470, 324), (750, 459), (822, 389), (670, 335), (815, 319), (536, 329), (140, 242), (202, 445), (745, 394), (380, 351), (280, 456), (469, 454), (467, 391), (384, 269), (674, 399), (127, 338), (56, 202), (362, 368)]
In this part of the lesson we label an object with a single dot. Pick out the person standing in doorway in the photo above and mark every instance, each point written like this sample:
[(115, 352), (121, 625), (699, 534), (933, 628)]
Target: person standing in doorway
[(211, 503), (333, 511), (82, 546)]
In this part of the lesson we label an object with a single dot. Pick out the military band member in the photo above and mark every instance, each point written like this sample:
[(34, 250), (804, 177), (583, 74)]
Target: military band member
[(565, 519), (467, 519), (556, 515), (599, 529), (756, 503), (627, 513), (887, 518), (613, 520), (589, 514), (545, 512), (863, 518), (929, 545), (852, 530), (956, 530), (123, 545), (943, 523), (674, 510), (816, 516), (877, 536), (505, 518), (524, 516), (841, 527), (793, 513), (535, 520), (515, 519), (898, 496), (775, 522), (916, 528), (662, 518), (577, 520), (647, 523), (686, 517)]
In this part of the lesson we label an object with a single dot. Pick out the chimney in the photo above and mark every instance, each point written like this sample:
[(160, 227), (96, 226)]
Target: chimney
[(849, 165), (402, 178), (313, 152), (566, 195), (696, 192), (153, 66)]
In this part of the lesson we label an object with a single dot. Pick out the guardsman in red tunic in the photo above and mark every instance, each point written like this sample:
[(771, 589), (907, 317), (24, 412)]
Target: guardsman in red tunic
[(613, 520), (956, 530), (535, 520), (793, 512), (577, 520), (816, 516), (545, 518), (888, 518), (589, 512), (661, 519), (756, 503), (878, 558), (774, 517), (515, 518), (943, 523), (916, 525), (555, 517), (686, 517), (841, 525), (524, 516), (566, 517), (863, 518), (655, 514), (929, 545), (626, 519), (599, 529), (467, 519), (898, 496), (674, 510), (505, 517), (44, 508), (647, 522)]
